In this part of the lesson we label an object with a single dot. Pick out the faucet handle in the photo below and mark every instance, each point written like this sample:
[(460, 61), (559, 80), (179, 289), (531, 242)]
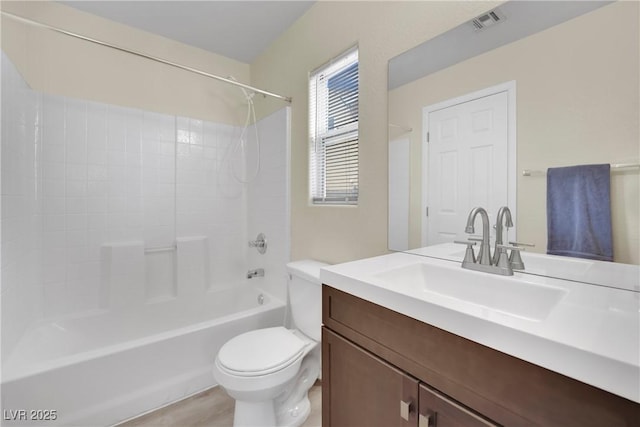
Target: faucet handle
[(469, 255), (503, 259), (470, 242), (515, 259), (505, 248), (520, 245), (260, 243)]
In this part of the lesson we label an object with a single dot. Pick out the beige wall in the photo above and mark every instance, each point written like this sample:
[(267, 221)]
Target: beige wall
[(61, 65), (577, 103), (382, 31)]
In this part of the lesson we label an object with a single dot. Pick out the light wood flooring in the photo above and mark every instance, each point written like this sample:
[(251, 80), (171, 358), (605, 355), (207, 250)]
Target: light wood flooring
[(212, 408)]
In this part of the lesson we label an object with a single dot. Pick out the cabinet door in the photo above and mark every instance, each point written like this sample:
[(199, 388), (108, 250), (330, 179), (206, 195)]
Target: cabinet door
[(437, 410), (359, 389)]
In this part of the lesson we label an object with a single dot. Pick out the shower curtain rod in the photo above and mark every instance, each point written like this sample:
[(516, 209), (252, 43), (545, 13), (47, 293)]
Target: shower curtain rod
[(143, 55)]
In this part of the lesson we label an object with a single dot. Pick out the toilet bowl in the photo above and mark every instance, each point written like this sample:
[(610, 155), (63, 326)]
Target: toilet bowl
[(270, 371)]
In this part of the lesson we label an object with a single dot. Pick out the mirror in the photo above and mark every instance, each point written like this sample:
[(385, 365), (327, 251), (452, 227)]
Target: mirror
[(574, 66)]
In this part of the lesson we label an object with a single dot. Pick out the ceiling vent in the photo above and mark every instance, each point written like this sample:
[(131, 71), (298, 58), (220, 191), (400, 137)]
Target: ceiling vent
[(488, 19)]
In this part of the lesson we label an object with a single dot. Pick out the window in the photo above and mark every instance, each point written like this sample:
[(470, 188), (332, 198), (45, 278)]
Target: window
[(333, 131)]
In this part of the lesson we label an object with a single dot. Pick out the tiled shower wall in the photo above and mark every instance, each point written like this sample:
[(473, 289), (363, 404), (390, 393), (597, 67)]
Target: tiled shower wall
[(22, 239), (268, 200), (80, 176)]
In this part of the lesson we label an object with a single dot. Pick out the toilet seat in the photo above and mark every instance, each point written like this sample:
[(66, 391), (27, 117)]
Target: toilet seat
[(260, 352)]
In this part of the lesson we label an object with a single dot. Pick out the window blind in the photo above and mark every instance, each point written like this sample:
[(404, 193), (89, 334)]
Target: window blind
[(333, 129)]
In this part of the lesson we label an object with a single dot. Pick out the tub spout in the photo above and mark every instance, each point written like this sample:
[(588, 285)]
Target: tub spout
[(258, 272)]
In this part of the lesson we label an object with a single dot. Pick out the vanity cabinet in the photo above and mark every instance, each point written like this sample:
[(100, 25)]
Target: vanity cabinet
[(382, 368), (367, 391)]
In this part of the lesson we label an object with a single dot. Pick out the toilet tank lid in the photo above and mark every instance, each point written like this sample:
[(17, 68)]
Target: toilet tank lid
[(307, 269)]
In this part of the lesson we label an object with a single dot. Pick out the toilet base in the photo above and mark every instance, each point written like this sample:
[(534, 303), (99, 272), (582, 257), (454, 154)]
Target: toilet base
[(295, 417), (291, 408), (251, 414)]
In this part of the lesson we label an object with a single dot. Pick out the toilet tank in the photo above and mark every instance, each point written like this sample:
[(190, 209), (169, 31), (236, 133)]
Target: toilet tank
[(305, 296)]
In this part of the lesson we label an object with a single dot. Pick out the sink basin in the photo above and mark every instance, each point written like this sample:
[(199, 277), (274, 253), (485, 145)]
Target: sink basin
[(512, 295)]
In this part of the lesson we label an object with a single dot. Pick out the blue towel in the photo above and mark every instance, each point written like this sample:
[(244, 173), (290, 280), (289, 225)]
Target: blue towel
[(579, 212)]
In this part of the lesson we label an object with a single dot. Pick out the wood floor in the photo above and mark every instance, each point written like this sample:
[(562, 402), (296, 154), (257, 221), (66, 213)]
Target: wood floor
[(212, 408)]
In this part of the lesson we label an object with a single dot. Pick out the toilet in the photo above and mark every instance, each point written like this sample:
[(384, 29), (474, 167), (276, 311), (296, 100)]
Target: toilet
[(270, 371)]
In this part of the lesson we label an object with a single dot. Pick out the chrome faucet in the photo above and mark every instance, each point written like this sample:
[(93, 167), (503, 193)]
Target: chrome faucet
[(502, 212), (484, 257), (501, 262), (485, 262)]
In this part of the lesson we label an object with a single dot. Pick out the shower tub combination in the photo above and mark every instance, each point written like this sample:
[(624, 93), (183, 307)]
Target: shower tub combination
[(108, 366), (157, 298)]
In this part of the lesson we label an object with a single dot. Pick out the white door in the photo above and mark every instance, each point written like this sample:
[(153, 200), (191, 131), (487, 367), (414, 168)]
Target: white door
[(468, 165)]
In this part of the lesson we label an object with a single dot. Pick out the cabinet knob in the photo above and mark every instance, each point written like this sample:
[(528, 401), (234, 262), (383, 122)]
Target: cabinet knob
[(424, 420), (405, 409)]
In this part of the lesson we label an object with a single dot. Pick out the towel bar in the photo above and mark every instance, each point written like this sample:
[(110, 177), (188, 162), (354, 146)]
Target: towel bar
[(529, 172)]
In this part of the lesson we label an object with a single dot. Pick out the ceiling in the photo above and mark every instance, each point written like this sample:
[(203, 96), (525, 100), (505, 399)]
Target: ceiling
[(240, 30)]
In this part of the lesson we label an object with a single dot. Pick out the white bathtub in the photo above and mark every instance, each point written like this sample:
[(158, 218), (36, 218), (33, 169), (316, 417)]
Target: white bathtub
[(105, 367)]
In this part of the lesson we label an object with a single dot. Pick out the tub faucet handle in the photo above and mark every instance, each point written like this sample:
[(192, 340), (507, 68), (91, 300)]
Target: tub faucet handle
[(260, 243)]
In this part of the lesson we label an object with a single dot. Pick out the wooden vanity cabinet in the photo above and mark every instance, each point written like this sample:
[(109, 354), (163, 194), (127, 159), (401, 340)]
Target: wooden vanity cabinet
[(381, 368), (366, 391)]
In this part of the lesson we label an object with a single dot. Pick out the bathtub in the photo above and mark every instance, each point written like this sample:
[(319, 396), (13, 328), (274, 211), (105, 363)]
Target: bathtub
[(105, 367)]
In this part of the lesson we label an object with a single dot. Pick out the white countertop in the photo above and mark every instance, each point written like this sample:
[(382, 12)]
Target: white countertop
[(592, 334)]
